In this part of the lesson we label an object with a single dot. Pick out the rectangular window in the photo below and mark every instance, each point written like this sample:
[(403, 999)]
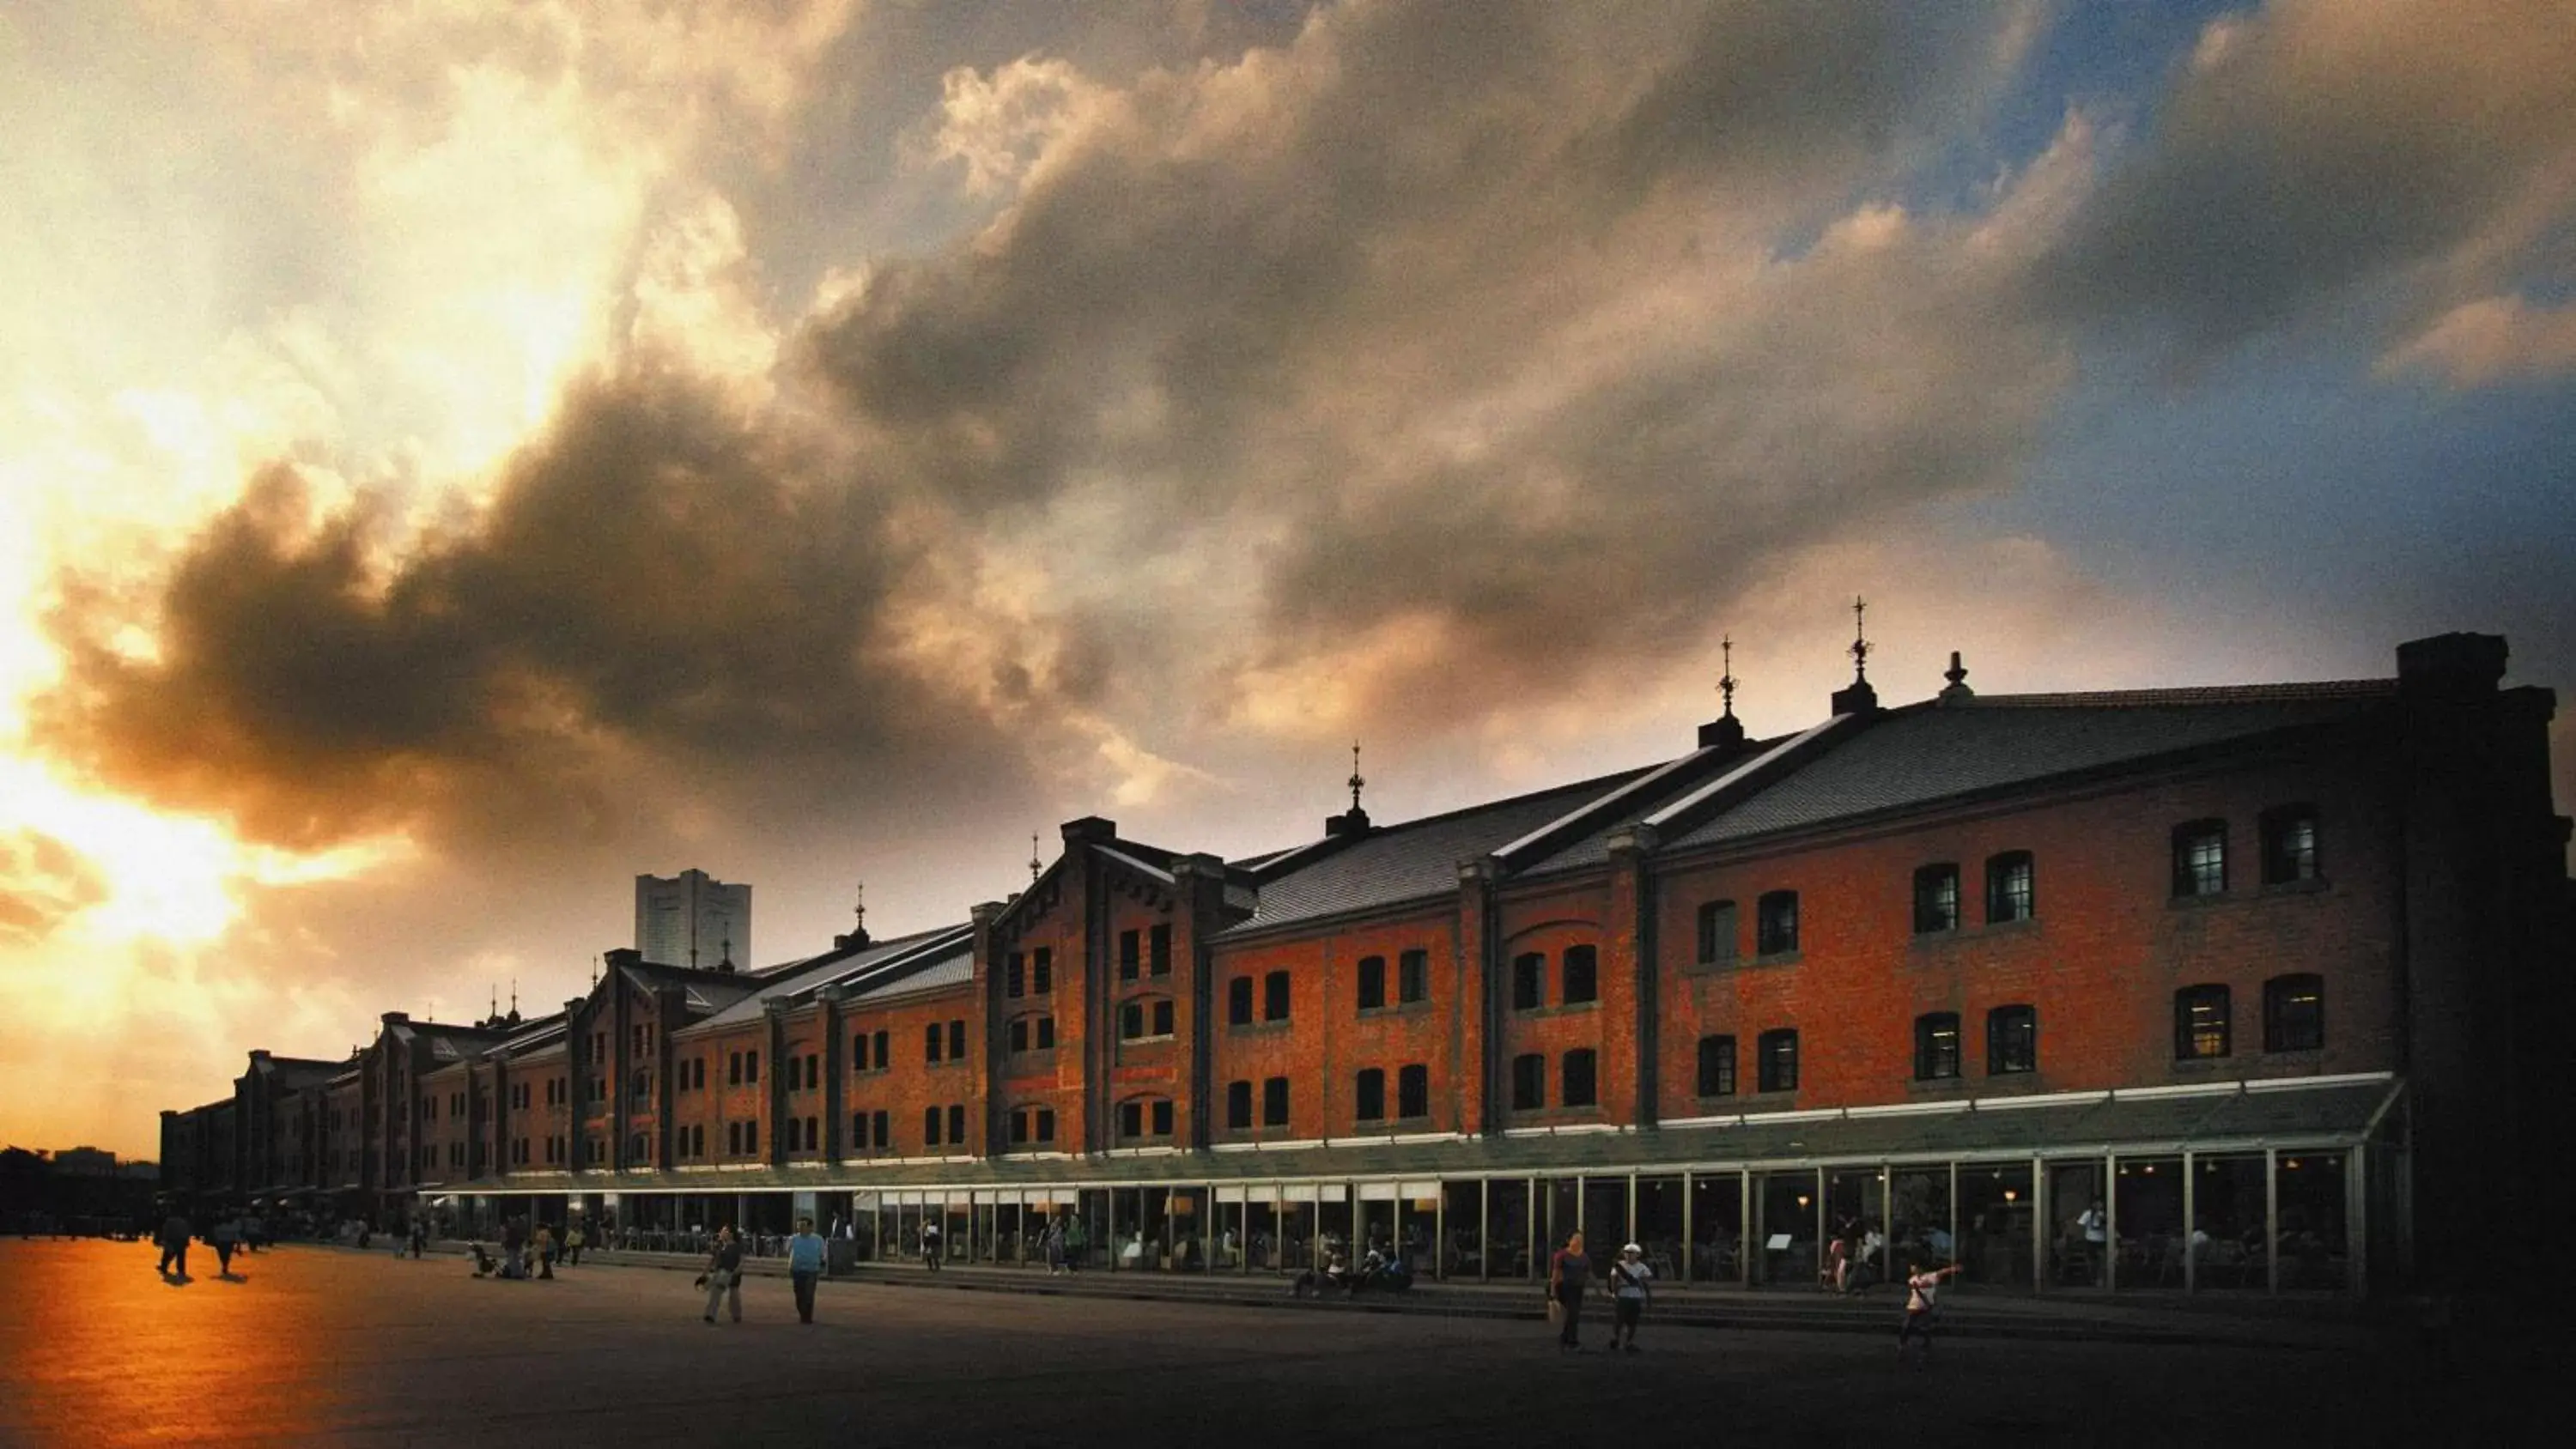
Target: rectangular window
[(1936, 1047), (1238, 1105), (1529, 1082), (1717, 941), (1529, 981), (1777, 1068), (2012, 1040), (1238, 1001), (1163, 1117), (932, 1039), (1131, 1121), (1045, 1124), (1577, 1078), (1046, 1033), (1158, 951), (751, 1066), (1019, 1034), (1274, 1102), (858, 1133), (1372, 982), (2008, 888), (750, 1137), (1020, 1127), (1274, 996), (2289, 844), (2201, 1023), (957, 1040), (1371, 1096), (1131, 1021), (1015, 976), (930, 1126), (1717, 1066), (1777, 925), (2200, 858), (1413, 1092), (883, 1056), (733, 1070), (1042, 971), (881, 1126), (1129, 959), (1413, 977), (2294, 1013), (813, 1070), (1936, 899), (1163, 1017), (957, 1123)]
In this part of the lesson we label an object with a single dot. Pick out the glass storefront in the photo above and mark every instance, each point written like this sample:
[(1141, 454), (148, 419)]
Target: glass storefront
[(1508, 1225), (1658, 1228), (1785, 1227), (2146, 1211), (1918, 1218), (2314, 1251), (1717, 1228), (1995, 1213), (2078, 1225), (1462, 1247)]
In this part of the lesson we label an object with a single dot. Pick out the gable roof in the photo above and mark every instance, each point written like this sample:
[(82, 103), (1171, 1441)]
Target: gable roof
[(1928, 753), (797, 982), (1416, 860)]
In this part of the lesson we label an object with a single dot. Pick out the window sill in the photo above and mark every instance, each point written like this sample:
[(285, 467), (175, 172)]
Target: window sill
[(1938, 1086), (1257, 1028), (1713, 968), (2209, 1066), (1128, 1041), (1401, 1008), (2292, 1055), (2208, 902), (1777, 958), (2311, 886), (1562, 1008)]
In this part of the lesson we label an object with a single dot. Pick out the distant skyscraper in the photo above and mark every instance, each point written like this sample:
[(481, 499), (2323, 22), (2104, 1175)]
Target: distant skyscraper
[(692, 919)]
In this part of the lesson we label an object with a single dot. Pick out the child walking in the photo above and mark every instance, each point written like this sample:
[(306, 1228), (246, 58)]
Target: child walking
[(1922, 1293)]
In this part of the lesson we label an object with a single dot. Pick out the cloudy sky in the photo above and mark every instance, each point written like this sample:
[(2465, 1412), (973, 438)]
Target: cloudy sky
[(455, 456)]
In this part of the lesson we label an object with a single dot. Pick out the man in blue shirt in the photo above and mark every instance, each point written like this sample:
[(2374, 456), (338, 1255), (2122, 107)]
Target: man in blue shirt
[(804, 1266)]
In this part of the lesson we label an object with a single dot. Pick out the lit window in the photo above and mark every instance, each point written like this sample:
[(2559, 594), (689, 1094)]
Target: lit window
[(2200, 1023), (2289, 844), (1936, 1046), (2008, 888), (1936, 899), (2294, 1013), (2200, 858)]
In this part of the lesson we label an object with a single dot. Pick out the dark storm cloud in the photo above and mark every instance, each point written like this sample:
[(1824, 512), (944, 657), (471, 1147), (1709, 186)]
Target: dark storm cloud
[(666, 599), (1505, 313), (2316, 146)]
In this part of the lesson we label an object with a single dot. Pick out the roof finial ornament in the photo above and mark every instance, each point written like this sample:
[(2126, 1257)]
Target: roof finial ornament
[(858, 907), (1859, 650), (1957, 674), (1726, 679), (1033, 857), (1356, 781)]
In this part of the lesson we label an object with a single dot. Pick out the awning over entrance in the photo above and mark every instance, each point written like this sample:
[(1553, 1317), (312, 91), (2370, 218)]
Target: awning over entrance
[(2222, 1117)]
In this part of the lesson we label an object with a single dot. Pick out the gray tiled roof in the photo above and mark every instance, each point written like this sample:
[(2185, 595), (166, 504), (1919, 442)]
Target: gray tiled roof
[(1415, 860), (954, 967), (1924, 754), (800, 979)]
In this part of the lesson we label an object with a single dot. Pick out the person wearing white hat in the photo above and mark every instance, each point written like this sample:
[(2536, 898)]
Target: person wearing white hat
[(1628, 1279)]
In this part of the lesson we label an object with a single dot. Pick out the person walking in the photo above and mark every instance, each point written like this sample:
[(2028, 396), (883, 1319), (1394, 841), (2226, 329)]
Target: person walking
[(930, 1246), (419, 1238), (1922, 1294), (514, 1245), (175, 1233), (804, 1266), (1077, 1243), (1052, 1244), (1628, 1279), (1568, 1273), (226, 1235), (573, 1240), (546, 1251), (724, 1275), (2097, 1232)]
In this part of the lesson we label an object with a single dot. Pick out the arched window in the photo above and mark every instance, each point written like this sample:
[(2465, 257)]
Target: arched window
[(1936, 1046), (1145, 1119), (1581, 974), (1936, 899), (1575, 1075), (1145, 1018), (1413, 1092), (2010, 894), (2200, 1023), (2294, 1013), (2012, 1040), (1717, 1066), (1777, 927)]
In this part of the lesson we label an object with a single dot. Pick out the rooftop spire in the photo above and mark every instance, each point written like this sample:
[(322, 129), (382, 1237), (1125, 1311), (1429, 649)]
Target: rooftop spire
[(859, 906), (1726, 679), (1356, 781), (1957, 674), (1354, 821), (1859, 650), (1033, 857)]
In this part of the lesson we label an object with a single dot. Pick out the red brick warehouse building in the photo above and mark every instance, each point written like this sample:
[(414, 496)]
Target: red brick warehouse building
[(2197, 990)]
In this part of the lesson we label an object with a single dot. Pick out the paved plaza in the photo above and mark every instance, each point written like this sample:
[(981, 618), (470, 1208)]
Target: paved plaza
[(313, 1345)]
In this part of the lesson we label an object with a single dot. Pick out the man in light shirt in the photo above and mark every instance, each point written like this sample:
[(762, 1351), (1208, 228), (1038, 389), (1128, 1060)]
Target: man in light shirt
[(805, 1266)]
